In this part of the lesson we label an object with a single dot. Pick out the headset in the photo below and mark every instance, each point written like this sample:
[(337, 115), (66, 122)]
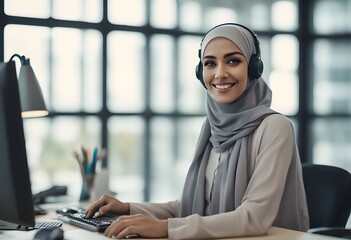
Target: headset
[(255, 68)]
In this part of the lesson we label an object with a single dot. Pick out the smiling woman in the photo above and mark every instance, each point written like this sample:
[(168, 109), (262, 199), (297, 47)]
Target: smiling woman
[(120, 73), (246, 168)]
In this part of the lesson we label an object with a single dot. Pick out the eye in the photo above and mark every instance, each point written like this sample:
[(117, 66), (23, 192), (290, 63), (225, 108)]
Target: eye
[(209, 63), (234, 61)]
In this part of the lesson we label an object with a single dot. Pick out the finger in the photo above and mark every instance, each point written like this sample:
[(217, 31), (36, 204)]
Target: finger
[(112, 230), (127, 233), (133, 225), (90, 211), (121, 226), (95, 207)]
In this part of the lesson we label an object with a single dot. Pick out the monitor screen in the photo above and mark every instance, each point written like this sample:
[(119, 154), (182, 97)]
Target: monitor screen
[(16, 201)]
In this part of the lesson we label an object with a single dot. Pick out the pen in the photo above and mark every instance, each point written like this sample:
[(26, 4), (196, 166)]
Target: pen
[(92, 165), (85, 159), (77, 157)]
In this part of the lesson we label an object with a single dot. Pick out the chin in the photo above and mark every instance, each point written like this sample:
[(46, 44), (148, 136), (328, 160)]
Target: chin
[(225, 98), (224, 101)]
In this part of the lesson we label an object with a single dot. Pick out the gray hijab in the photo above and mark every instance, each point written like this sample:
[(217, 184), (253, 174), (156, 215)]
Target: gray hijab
[(226, 128)]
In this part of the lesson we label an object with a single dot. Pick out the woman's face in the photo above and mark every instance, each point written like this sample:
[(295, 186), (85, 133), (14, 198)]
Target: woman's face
[(225, 70)]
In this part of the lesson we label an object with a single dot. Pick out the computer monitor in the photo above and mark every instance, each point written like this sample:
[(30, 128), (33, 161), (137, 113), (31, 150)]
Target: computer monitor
[(16, 201)]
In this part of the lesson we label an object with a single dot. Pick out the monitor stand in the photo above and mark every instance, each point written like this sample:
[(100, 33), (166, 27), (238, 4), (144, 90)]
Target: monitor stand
[(13, 226)]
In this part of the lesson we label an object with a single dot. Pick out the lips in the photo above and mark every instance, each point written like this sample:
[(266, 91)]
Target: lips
[(223, 86)]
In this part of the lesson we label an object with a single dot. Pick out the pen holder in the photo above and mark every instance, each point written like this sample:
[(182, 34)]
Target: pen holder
[(87, 186)]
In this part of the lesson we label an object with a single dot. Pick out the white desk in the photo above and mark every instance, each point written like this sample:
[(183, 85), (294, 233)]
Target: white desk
[(81, 234), (74, 233)]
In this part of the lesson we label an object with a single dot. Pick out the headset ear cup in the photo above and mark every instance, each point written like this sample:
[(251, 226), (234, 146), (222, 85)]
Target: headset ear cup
[(198, 72), (259, 67), (199, 69), (255, 67)]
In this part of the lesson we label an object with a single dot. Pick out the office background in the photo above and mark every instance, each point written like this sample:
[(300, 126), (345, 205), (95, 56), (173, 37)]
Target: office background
[(120, 74)]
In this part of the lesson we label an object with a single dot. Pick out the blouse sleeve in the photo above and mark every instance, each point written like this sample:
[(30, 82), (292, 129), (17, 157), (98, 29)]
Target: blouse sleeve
[(156, 210), (271, 154)]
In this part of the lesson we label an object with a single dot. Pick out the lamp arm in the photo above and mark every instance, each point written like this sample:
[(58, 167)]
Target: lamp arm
[(22, 58)]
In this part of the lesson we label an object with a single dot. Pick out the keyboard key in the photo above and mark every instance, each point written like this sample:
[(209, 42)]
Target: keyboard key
[(47, 224)]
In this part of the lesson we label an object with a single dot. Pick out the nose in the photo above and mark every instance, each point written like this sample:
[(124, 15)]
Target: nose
[(221, 72)]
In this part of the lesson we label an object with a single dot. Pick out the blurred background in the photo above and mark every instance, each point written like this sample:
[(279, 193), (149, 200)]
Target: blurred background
[(120, 74)]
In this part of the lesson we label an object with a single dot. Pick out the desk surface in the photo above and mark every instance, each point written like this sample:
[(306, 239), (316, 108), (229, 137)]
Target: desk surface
[(75, 233)]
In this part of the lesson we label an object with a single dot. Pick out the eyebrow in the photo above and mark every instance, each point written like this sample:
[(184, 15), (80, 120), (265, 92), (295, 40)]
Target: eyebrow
[(225, 55)]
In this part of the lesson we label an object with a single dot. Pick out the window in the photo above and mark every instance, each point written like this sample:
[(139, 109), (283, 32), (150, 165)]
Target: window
[(331, 75), (124, 79)]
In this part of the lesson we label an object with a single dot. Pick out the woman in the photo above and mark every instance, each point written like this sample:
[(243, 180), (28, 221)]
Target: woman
[(246, 174)]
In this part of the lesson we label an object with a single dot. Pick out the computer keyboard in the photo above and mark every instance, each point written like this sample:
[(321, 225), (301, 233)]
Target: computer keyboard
[(96, 224), (48, 224)]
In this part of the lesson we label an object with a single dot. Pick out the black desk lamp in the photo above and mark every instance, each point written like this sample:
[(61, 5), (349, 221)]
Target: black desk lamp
[(31, 97)]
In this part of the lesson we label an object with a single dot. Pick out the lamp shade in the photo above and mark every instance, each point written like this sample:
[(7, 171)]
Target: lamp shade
[(31, 96)]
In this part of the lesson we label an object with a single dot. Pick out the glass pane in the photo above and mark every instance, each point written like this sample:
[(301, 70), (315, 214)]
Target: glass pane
[(190, 8), (126, 157), (127, 12), (331, 142), (35, 47), (50, 143), (332, 76), (126, 71), (173, 145), (283, 79), (79, 10), (260, 15), (215, 14), (77, 70), (285, 89), (191, 93), (162, 74), (92, 70), (25, 8), (205, 14), (164, 179), (266, 56), (284, 15), (330, 16), (285, 52), (163, 13)]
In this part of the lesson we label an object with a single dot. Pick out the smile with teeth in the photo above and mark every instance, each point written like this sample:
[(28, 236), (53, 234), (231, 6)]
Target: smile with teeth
[(223, 86)]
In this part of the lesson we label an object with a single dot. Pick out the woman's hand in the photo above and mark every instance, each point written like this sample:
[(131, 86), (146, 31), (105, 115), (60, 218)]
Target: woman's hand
[(139, 224), (107, 204)]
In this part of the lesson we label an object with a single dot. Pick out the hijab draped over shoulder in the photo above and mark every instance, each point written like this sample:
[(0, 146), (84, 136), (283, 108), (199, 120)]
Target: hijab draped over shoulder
[(226, 129)]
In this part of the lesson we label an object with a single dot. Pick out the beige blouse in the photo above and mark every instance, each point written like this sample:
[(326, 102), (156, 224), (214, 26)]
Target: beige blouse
[(211, 170), (263, 204)]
